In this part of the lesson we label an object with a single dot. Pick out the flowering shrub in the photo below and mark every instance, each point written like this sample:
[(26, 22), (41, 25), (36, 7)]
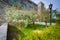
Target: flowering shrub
[(20, 16)]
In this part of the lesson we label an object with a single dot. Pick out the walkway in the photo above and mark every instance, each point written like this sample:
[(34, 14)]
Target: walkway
[(43, 23), (3, 31)]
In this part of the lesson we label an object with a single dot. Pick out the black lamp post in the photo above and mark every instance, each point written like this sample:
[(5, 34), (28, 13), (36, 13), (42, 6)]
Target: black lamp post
[(50, 7)]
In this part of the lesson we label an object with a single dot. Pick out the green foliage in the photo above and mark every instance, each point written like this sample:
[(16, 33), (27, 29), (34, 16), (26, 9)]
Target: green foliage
[(51, 33), (25, 34), (14, 15), (35, 27), (20, 16), (58, 17), (14, 33), (44, 15), (17, 6)]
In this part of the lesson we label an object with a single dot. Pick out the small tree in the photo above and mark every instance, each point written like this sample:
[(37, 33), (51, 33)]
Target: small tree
[(33, 17), (17, 6), (44, 16), (58, 18)]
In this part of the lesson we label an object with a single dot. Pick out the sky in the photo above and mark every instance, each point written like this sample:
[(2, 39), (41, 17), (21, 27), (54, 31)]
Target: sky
[(56, 3)]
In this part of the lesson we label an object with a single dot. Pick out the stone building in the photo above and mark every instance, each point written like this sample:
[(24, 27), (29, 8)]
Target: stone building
[(25, 4), (40, 6), (40, 10)]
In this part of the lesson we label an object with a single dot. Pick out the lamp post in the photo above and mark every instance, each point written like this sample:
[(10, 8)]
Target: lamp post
[(50, 7)]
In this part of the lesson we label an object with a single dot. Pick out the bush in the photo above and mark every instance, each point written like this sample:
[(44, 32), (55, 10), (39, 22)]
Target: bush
[(51, 33)]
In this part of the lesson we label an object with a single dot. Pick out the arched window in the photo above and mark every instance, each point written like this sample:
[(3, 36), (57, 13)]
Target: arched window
[(30, 7), (23, 4), (4, 0), (14, 0)]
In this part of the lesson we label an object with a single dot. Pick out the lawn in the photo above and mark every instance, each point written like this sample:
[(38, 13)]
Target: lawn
[(32, 27)]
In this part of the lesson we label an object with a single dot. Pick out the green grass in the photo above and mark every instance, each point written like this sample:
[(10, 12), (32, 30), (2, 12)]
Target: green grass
[(27, 31), (49, 33), (32, 27), (36, 26)]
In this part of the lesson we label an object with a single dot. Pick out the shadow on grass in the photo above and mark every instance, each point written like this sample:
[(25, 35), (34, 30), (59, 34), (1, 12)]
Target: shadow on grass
[(36, 26), (14, 32)]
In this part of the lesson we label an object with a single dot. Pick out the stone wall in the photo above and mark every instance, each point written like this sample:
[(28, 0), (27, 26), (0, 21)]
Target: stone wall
[(2, 15)]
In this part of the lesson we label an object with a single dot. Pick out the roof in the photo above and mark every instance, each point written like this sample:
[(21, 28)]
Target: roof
[(32, 2)]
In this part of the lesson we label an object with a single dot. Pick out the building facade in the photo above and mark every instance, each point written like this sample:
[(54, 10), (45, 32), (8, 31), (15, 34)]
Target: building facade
[(27, 5), (41, 8), (24, 4)]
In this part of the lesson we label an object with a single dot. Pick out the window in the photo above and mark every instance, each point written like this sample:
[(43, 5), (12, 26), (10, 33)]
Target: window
[(35, 9), (14, 0), (30, 7), (4, 0), (23, 4)]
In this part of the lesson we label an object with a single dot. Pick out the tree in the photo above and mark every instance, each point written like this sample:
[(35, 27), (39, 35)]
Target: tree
[(34, 18), (58, 17), (17, 6), (44, 16)]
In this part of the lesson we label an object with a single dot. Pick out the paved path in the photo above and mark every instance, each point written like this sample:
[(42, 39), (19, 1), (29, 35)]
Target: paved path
[(3, 31), (43, 23)]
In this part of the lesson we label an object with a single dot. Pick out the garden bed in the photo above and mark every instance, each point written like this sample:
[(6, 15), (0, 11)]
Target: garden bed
[(34, 32), (15, 31)]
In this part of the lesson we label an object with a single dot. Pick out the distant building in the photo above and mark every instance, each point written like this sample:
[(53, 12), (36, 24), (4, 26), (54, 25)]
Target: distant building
[(40, 10), (54, 12), (40, 6)]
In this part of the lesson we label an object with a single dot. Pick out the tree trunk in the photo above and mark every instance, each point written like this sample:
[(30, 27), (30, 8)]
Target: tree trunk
[(46, 24), (33, 22)]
